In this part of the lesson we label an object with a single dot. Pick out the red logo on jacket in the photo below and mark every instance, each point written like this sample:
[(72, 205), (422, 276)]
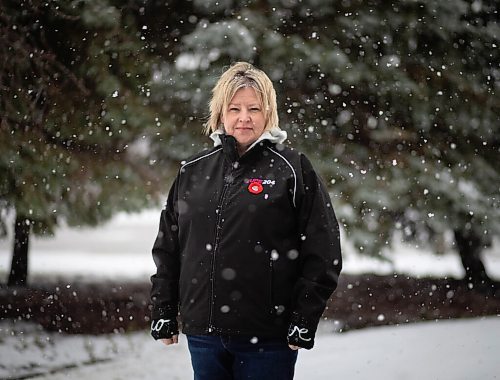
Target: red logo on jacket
[(255, 186)]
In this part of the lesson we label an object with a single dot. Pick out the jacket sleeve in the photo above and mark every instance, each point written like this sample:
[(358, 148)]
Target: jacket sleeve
[(320, 255), (165, 282)]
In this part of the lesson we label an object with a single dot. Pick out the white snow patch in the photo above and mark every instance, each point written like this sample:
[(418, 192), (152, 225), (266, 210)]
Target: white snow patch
[(445, 350)]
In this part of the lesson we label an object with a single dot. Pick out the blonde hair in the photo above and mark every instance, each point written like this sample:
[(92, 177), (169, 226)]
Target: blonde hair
[(237, 76)]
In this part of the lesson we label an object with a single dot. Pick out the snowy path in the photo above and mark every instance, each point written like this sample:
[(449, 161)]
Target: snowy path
[(444, 350)]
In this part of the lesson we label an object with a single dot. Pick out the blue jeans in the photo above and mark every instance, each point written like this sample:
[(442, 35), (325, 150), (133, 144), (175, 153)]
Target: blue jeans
[(238, 358)]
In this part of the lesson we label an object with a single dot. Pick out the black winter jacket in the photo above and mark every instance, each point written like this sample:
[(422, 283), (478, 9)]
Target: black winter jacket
[(247, 245)]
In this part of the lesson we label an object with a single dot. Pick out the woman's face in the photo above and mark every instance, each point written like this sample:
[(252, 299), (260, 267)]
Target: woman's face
[(244, 118)]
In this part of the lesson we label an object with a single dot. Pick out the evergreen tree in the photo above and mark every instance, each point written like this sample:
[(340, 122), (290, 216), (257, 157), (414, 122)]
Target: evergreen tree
[(75, 117), (395, 101)]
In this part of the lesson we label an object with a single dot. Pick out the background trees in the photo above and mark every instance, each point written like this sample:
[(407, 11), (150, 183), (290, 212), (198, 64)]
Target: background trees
[(75, 110), (395, 102)]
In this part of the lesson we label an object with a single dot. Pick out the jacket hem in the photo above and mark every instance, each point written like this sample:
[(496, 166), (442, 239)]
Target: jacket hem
[(281, 333)]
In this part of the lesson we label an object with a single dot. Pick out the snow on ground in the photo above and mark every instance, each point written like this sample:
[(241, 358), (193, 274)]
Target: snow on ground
[(444, 350), (459, 349)]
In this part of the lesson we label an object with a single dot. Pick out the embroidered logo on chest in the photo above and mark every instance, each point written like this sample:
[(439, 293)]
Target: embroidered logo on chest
[(256, 185)]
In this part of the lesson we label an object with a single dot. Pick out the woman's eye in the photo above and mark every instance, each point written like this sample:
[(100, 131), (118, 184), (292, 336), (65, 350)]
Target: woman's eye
[(255, 109), (233, 109)]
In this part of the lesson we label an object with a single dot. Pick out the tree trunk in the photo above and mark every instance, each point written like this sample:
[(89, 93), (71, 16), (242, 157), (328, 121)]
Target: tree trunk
[(469, 247), (19, 267)]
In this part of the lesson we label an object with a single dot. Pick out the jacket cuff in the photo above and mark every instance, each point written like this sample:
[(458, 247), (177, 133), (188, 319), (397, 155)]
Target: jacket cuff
[(164, 328), (301, 332)]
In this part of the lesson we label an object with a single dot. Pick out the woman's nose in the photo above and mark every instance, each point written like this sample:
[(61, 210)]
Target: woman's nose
[(244, 116)]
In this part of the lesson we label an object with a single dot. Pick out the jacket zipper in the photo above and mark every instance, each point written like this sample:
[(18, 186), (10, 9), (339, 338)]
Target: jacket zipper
[(218, 228)]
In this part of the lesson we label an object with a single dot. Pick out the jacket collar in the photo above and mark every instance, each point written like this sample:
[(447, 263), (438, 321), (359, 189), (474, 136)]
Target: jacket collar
[(274, 135)]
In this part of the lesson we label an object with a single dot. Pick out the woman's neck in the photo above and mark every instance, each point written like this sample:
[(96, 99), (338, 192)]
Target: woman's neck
[(241, 149)]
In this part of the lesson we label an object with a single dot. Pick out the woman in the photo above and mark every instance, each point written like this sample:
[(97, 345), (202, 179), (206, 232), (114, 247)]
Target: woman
[(248, 250)]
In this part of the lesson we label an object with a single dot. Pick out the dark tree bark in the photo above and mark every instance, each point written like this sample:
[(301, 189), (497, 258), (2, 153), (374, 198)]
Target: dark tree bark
[(19, 267), (469, 246)]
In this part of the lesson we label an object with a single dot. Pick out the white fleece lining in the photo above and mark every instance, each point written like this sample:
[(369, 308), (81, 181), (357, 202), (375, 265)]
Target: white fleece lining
[(274, 135)]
